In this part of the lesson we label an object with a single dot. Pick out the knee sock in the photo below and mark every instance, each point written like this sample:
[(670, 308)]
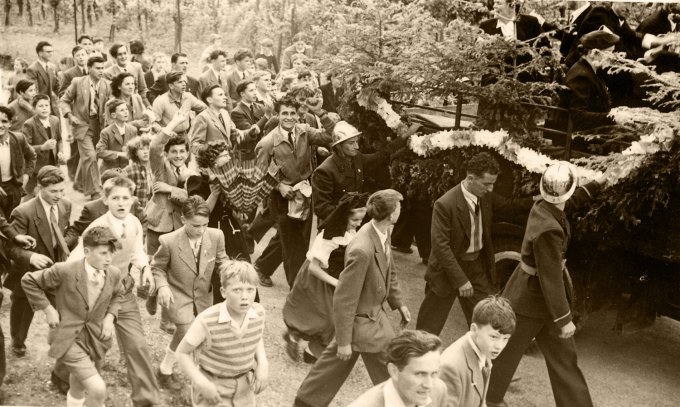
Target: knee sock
[(74, 402), (168, 362)]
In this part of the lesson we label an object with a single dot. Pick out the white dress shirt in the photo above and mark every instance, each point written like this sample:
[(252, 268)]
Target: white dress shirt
[(5, 160)]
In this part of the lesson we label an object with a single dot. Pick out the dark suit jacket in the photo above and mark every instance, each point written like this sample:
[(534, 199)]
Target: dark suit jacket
[(450, 238), (22, 155), (70, 282), (149, 80), (460, 372), (47, 82), (67, 78), (367, 281), (657, 24), (30, 218), (208, 79), (244, 119), (331, 99), (159, 87), (527, 27), (111, 142), (36, 135), (91, 211), (233, 79), (569, 38), (588, 98)]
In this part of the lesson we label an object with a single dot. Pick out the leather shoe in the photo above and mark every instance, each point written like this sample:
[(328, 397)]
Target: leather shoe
[(168, 328), (168, 381), (19, 350), (61, 386), (291, 346), (265, 281), (308, 358), (151, 304)]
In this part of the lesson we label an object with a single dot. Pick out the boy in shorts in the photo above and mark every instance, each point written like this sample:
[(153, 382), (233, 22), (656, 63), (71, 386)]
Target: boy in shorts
[(223, 376), (87, 296)]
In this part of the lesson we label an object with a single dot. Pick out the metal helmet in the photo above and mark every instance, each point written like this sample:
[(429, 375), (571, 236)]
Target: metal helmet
[(558, 183), (343, 131)]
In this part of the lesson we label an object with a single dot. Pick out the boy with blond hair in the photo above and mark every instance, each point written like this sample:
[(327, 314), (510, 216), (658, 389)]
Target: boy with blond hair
[(226, 340)]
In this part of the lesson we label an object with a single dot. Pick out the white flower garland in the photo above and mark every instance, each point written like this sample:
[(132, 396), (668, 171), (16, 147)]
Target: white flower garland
[(623, 164)]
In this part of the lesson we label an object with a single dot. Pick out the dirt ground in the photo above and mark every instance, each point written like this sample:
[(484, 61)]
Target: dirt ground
[(633, 369)]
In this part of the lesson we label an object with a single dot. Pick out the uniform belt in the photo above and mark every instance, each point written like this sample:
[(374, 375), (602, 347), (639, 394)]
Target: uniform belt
[(533, 271), (469, 256), (530, 270)]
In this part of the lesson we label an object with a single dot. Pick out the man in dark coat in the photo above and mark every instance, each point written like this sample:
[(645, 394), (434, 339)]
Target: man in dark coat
[(44, 74), (461, 262), (332, 92), (180, 62), (540, 290)]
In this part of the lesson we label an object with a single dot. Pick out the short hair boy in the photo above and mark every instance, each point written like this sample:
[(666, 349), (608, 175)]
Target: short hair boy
[(183, 267), (493, 322), (413, 364), (83, 324), (236, 323), (112, 139)]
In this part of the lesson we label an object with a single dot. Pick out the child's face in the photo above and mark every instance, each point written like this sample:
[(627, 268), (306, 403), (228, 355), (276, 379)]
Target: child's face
[(119, 202), (489, 341), (239, 296), (143, 153), (42, 108), (195, 226), (177, 154), (355, 218), (99, 257), (122, 113)]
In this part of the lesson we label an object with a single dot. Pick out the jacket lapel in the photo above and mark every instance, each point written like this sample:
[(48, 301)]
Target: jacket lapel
[(185, 252), (81, 281), (216, 121), (463, 210), (473, 364), (380, 255), (43, 225), (119, 137), (206, 248), (41, 130), (107, 291)]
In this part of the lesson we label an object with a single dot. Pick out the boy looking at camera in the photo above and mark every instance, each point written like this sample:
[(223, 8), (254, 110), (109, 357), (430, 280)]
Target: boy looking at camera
[(227, 340), (466, 364), (87, 298)]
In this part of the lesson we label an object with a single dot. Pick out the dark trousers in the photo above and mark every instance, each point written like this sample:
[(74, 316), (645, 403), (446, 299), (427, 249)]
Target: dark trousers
[(21, 316), (14, 192), (293, 236), (72, 165), (130, 335), (415, 220), (434, 311), (329, 373), (568, 384), (271, 257), (3, 359)]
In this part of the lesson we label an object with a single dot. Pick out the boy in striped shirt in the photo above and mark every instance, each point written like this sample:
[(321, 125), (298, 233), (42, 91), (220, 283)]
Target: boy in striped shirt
[(231, 365)]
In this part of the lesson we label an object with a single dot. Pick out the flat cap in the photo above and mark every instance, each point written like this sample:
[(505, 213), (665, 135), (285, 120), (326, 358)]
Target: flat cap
[(600, 39), (174, 76)]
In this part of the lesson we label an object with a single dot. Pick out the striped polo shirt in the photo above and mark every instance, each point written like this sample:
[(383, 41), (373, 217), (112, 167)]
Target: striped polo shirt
[(225, 351)]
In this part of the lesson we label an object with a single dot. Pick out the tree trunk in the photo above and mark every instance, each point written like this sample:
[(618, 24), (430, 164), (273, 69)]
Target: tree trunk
[(20, 3), (42, 10), (112, 31), (83, 6), (178, 27), (55, 13), (8, 8), (90, 11), (29, 12), (139, 16)]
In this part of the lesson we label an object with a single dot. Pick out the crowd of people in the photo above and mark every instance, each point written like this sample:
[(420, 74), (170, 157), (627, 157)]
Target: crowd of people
[(183, 175)]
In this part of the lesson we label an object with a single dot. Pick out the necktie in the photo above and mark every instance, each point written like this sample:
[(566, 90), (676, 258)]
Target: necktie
[(243, 75), (222, 121), (123, 230), (291, 139), (124, 69), (84, 70), (219, 80), (252, 111), (477, 207), (486, 372), (180, 183), (57, 232)]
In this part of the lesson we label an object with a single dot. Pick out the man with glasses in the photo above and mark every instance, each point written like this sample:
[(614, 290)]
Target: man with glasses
[(44, 74)]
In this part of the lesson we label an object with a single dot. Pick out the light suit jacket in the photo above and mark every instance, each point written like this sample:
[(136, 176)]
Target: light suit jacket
[(110, 142), (174, 266), (76, 101), (459, 370)]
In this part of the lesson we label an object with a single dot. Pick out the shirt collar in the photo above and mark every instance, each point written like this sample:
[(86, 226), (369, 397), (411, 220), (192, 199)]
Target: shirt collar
[(45, 122), (121, 129), (578, 12), (469, 196), (670, 20), (392, 397), (44, 64), (382, 236), (224, 316), (4, 140), (46, 206), (91, 270), (481, 359), (507, 27), (172, 98)]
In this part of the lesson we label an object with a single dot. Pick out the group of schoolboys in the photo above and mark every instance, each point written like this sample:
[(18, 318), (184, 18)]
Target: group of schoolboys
[(89, 296)]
